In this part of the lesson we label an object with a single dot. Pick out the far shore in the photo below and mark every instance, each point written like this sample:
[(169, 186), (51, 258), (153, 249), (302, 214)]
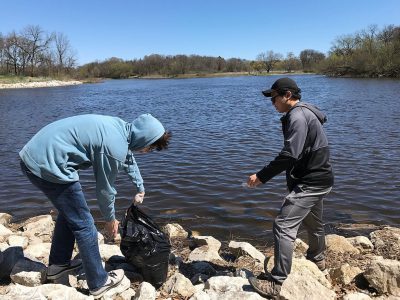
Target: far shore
[(40, 82)]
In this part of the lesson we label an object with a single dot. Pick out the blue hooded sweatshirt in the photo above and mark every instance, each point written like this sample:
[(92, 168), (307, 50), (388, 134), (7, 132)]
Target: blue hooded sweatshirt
[(61, 148)]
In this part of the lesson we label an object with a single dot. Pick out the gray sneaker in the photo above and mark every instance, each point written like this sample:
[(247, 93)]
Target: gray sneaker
[(56, 271), (114, 279), (320, 264), (266, 288)]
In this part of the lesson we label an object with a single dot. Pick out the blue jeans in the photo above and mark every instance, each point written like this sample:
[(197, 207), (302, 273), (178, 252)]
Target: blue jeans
[(302, 206), (74, 222)]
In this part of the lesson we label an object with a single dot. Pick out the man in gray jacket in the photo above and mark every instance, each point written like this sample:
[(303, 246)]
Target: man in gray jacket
[(305, 158)]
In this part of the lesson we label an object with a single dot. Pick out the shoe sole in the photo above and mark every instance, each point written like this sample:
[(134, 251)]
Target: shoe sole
[(262, 293), (60, 274)]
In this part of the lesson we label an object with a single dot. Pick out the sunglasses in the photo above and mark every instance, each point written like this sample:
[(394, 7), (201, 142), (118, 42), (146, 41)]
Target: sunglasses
[(273, 99)]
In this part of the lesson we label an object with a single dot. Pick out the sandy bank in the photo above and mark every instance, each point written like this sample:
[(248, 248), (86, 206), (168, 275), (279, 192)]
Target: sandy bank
[(38, 84)]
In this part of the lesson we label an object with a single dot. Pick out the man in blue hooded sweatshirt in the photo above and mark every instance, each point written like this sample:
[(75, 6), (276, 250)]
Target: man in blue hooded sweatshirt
[(51, 160)]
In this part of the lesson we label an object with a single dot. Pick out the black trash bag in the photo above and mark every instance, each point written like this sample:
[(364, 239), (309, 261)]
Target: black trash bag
[(145, 246)]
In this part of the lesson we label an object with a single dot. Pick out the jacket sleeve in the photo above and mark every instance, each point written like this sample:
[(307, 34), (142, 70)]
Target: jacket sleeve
[(295, 137), (131, 168), (105, 171)]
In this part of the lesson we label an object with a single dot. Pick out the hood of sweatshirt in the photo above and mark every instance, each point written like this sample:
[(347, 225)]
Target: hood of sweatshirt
[(315, 110), (145, 130)]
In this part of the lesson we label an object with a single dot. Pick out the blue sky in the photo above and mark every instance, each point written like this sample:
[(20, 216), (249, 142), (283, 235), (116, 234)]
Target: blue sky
[(132, 29)]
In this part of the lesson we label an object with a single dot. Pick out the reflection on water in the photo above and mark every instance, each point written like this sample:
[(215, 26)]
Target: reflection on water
[(223, 131)]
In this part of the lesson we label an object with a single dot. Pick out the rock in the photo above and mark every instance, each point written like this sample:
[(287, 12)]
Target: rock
[(179, 284), (339, 244), (299, 248), (4, 231), (240, 248), (5, 219), (107, 251), (4, 246), (211, 242), (305, 267), (175, 230), (127, 294), (387, 242), (345, 274), (39, 251), (225, 283), (210, 295), (203, 253), (28, 273), (362, 243), (301, 286), (384, 275), (44, 292), (356, 296), (199, 287), (145, 292), (40, 226), (10, 257), (18, 241)]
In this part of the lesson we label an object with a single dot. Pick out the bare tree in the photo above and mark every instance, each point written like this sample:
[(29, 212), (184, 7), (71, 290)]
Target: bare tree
[(269, 58), (37, 44), (64, 55)]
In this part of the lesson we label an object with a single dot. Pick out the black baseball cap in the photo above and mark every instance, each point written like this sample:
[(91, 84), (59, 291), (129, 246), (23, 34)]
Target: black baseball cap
[(282, 84)]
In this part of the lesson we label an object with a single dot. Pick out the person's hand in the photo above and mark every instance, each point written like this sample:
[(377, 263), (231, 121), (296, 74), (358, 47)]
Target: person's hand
[(111, 228), (138, 198), (253, 181)]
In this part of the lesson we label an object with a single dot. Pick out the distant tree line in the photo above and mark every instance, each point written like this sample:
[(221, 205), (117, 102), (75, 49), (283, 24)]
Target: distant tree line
[(368, 53), (34, 52), (155, 64)]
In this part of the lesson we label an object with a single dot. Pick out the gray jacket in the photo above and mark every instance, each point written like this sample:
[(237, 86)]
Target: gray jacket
[(305, 154)]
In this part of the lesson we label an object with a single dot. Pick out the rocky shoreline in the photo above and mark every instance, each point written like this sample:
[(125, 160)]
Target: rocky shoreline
[(363, 262), (38, 84)]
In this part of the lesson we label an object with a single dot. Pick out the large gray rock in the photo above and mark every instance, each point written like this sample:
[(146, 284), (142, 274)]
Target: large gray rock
[(356, 296), (229, 295), (345, 274), (40, 226), (203, 253), (29, 273), (304, 266), (39, 251), (4, 231), (387, 242), (107, 251), (5, 219), (384, 275), (302, 286), (175, 230), (145, 292), (339, 244), (244, 248), (179, 284), (44, 292), (211, 242), (362, 243), (221, 284), (18, 241)]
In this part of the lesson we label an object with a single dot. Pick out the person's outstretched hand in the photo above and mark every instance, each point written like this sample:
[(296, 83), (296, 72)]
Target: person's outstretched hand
[(138, 198), (253, 181), (111, 228)]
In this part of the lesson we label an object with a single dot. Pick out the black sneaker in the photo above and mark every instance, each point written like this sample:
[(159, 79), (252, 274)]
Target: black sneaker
[(266, 288), (56, 271), (114, 279)]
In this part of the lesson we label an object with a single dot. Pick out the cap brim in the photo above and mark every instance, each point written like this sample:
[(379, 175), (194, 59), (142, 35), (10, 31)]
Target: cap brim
[(267, 93)]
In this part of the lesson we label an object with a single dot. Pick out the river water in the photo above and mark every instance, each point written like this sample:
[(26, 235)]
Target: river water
[(223, 131)]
